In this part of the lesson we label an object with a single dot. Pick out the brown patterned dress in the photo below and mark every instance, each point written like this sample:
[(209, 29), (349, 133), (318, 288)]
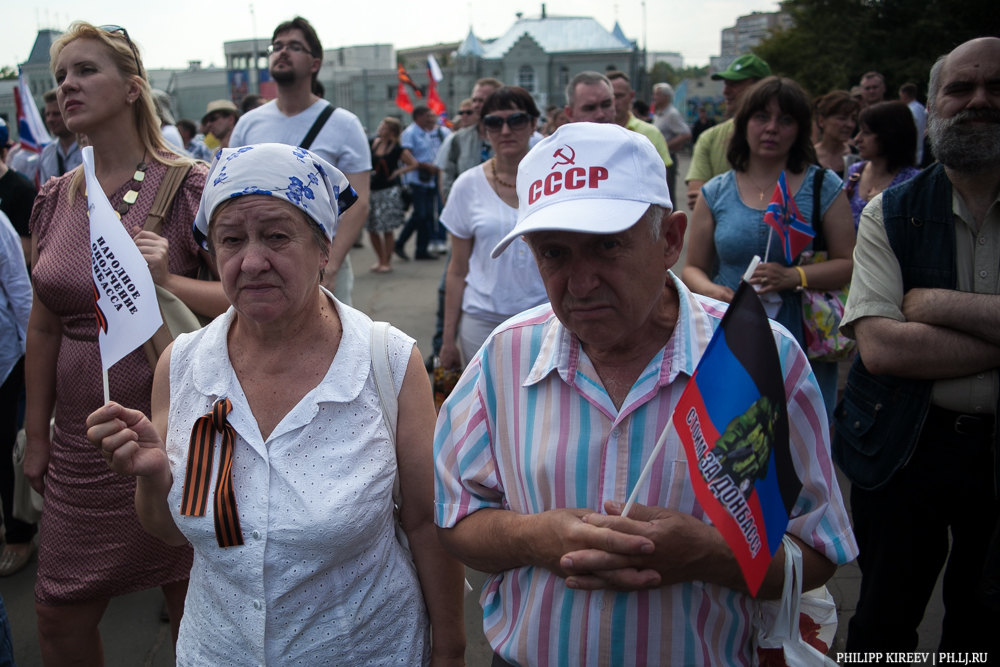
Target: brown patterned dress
[(91, 545)]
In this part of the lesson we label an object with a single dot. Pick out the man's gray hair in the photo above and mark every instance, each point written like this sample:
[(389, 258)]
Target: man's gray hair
[(654, 215), (935, 83), (586, 78), (665, 89)]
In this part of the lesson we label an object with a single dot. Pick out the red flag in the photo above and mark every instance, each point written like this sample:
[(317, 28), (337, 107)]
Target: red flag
[(433, 100), (402, 99), (783, 216)]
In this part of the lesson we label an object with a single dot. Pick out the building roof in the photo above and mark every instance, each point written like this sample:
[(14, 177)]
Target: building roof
[(471, 46), (557, 34), (40, 51), (619, 34)]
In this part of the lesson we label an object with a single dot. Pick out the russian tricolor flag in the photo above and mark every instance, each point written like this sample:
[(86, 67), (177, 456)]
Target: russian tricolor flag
[(30, 128)]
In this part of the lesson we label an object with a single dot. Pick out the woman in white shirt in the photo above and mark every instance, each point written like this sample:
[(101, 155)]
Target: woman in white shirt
[(291, 511), (481, 292)]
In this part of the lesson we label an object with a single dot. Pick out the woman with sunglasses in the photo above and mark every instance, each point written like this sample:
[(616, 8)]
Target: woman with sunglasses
[(481, 292), (91, 545)]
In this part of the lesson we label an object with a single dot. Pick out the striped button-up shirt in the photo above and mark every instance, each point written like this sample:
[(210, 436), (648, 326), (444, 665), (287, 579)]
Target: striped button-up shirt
[(530, 428)]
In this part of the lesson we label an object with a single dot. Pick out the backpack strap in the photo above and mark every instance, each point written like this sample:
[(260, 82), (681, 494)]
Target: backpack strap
[(386, 392), (165, 197), (324, 116)]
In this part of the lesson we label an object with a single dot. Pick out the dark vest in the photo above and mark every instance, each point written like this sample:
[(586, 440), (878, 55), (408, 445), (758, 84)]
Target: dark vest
[(878, 422)]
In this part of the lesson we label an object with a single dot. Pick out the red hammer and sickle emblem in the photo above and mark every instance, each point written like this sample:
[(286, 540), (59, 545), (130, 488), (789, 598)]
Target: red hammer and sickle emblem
[(563, 158)]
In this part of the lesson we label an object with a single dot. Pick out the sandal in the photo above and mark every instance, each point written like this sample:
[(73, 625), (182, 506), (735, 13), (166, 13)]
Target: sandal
[(12, 562)]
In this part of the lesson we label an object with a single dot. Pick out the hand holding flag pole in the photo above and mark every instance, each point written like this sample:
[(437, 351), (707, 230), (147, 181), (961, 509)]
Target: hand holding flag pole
[(125, 303), (732, 422)]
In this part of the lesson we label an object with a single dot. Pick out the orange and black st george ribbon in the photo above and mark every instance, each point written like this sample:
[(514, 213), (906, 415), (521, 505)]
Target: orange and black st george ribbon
[(201, 451), (102, 320)]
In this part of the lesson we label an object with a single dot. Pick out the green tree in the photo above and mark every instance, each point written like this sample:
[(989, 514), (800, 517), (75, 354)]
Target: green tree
[(8, 72), (834, 42), (664, 72)]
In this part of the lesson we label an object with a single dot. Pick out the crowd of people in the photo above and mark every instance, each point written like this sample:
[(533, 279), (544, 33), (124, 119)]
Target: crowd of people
[(281, 472)]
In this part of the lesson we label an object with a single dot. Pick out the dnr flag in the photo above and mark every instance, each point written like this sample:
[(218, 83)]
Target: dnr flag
[(127, 311), (732, 419)]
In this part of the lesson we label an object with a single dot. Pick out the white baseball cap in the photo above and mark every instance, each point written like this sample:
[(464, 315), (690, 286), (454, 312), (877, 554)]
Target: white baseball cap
[(595, 178)]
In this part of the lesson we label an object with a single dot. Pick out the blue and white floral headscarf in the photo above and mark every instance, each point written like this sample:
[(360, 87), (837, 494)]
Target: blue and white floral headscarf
[(291, 174)]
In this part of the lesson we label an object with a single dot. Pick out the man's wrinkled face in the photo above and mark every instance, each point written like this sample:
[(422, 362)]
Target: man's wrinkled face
[(604, 287), (964, 121)]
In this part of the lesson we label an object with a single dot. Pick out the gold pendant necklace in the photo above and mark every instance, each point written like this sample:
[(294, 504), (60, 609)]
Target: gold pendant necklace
[(497, 178), (757, 186), (132, 195)]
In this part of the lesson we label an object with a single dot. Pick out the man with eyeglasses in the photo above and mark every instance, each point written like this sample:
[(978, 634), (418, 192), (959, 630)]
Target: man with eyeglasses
[(220, 119), (295, 56)]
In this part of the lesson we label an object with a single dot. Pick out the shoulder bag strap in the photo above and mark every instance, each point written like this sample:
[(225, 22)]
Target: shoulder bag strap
[(165, 197), (819, 243), (324, 116), (386, 391)]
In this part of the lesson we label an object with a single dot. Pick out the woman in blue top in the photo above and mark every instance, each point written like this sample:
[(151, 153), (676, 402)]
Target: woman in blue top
[(771, 135)]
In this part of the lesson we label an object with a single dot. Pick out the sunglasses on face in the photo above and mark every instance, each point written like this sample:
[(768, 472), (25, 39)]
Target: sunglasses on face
[(465, 112), (294, 47), (214, 117), (515, 121), (116, 29)]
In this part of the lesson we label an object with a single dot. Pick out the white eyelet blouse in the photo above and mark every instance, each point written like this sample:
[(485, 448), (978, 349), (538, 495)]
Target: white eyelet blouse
[(320, 578)]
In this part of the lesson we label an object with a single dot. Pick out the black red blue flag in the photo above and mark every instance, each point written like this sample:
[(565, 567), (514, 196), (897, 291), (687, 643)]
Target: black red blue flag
[(732, 419)]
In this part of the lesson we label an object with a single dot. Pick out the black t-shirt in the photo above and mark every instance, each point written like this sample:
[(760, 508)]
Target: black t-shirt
[(17, 196), (383, 166)]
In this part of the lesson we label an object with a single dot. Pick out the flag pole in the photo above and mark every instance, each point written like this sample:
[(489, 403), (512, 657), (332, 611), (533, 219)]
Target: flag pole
[(107, 394), (648, 468), (767, 252)]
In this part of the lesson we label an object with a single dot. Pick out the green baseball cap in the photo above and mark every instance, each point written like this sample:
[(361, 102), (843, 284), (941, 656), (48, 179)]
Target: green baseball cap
[(744, 67)]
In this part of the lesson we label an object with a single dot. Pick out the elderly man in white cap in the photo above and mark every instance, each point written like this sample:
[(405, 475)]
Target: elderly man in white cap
[(546, 433)]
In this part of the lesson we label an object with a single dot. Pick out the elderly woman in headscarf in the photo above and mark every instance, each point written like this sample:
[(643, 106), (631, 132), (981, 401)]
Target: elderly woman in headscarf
[(271, 446)]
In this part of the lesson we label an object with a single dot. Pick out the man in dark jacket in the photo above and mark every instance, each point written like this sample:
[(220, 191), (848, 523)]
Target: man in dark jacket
[(916, 432)]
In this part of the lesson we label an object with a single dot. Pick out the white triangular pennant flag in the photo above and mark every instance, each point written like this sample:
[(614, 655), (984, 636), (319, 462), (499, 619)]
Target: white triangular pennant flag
[(128, 313), (432, 65)]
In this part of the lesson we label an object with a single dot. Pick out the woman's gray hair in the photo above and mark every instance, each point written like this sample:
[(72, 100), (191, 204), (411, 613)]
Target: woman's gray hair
[(935, 84)]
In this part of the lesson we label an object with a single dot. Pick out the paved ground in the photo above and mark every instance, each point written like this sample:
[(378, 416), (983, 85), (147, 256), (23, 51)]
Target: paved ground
[(134, 636)]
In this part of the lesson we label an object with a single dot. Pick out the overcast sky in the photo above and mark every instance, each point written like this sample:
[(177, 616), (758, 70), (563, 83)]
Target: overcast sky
[(172, 32)]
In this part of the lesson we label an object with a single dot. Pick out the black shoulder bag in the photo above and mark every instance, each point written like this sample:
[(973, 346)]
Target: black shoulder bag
[(324, 116)]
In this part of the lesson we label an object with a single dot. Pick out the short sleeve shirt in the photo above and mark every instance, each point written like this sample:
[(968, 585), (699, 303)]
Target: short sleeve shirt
[(654, 135), (877, 290), (709, 157), (495, 289), (341, 142), (670, 123), (530, 428)]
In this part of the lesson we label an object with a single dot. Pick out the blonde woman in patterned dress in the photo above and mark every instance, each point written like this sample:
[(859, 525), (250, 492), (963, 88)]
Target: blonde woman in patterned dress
[(91, 545), (272, 453)]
